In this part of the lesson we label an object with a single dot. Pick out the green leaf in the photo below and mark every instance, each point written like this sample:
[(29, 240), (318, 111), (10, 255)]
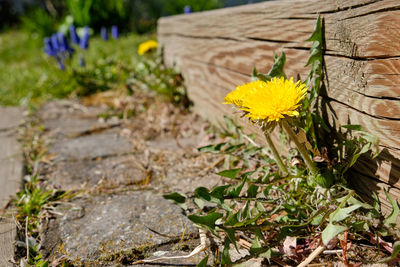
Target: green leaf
[(354, 201), (234, 191), (202, 193), (203, 262), (255, 246), (331, 231), (317, 219), (218, 192), (232, 173), (231, 235), (317, 33), (211, 148), (391, 219), (225, 257), (342, 213), (252, 191), (395, 253), (353, 127), (231, 149), (207, 220), (269, 254), (177, 199), (232, 219), (230, 125), (277, 67)]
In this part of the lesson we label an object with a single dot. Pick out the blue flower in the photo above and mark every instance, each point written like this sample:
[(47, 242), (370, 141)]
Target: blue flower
[(54, 43), (114, 32), (84, 44), (48, 47), (64, 44), (74, 36), (103, 33), (187, 10)]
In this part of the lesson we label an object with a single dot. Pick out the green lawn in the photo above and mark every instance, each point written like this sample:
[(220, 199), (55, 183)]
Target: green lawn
[(28, 76)]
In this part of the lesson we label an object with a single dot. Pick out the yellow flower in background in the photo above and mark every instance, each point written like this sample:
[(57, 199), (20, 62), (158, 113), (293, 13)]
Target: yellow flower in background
[(270, 101), (147, 46)]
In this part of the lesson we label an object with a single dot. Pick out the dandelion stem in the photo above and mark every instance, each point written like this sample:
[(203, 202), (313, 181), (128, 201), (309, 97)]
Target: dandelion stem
[(310, 164), (278, 158)]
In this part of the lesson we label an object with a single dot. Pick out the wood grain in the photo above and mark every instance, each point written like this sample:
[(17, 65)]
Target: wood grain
[(217, 50)]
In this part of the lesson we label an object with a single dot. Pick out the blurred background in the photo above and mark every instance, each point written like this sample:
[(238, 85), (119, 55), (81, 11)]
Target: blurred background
[(41, 60), (140, 16)]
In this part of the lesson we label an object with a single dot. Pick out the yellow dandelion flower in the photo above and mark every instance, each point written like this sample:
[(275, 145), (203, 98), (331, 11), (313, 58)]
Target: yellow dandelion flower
[(269, 101), (147, 46)]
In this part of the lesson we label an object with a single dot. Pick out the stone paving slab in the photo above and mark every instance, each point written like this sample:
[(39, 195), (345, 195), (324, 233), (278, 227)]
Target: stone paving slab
[(109, 172), (104, 144), (10, 117), (103, 226), (11, 171), (99, 227)]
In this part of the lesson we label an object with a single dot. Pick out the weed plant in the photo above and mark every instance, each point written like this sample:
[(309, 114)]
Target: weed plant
[(284, 208)]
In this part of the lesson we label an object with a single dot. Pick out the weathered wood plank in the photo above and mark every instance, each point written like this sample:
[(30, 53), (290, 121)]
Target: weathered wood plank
[(11, 170), (217, 50)]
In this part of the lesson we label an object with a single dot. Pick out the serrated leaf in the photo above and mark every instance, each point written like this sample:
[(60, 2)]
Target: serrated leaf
[(395, 253), (255, 246), (230, 125), (277, 67), (218, 192), (269, 254), (231, 235), (331, 231), (177, 198), (232, 173), (211, 148), (391, 219), (232, 219), (203, 262), (317, 219), (252, 191), (354, 201), (353, 127), (317, 32), (208, 220), (225, 257), (231, 149), (203, 193), (342, 213)]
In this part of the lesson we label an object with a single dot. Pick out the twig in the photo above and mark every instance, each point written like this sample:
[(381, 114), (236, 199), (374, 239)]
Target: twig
[(312, 256), (251, 141), (335, 251), (195, 251), (27, 238)]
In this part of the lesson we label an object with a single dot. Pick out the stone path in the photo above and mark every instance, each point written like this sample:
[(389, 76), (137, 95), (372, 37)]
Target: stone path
[(120, 170), (11, 166)]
